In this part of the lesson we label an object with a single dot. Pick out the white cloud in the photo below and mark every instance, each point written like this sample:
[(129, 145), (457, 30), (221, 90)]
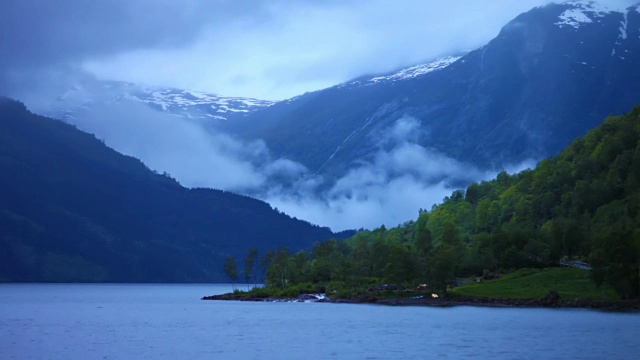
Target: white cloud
[(401, 178), (305, 46), (270, 49), (195, 157), (370, 206)]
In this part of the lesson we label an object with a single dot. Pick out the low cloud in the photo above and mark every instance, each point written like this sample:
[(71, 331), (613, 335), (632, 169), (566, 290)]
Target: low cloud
[(373, 204), (401, 178), (184, 149)]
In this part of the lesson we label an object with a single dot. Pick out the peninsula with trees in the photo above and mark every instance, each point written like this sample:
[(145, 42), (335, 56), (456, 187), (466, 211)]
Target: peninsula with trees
[(563, 234)]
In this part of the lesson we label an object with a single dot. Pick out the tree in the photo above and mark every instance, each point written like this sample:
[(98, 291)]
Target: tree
[(615, 255), (443, 263), (265, 263), (249, 265), (231, 270), (279, 271), (400, 266), (422, 238)]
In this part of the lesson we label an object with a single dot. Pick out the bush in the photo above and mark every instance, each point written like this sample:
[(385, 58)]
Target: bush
[(260, 293)]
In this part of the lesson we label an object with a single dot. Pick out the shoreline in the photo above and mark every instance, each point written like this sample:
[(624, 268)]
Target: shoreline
[(617, 306)]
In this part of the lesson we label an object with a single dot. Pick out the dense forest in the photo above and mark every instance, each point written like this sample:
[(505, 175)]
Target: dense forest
[(74, 210), (583, 204)]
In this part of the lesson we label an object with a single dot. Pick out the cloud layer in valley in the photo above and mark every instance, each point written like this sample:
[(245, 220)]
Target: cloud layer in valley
[(184, 149), (259, 48), (402, 177)]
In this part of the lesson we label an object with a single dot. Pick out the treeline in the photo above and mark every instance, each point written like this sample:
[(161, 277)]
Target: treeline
[(583, 204)]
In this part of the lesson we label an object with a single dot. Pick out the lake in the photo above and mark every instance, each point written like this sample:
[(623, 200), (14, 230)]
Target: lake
[(169, 321)]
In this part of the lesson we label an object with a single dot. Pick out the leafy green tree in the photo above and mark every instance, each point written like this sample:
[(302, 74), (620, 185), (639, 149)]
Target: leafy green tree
[(400, 266), (231, 270), (443, 263), (487, 214), (422, 235), (379, 258), (279, 272), (249, 267), (361, 256), (265, 263), (615, 256)]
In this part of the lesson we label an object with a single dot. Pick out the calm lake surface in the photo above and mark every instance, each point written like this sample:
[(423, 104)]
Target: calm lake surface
[(117, 321)]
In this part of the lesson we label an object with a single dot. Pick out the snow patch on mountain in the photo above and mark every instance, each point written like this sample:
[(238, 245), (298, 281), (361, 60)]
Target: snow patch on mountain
[(623, 27), (415, 71), (174, 100), (177, 102), (407, 73), (584, 12)]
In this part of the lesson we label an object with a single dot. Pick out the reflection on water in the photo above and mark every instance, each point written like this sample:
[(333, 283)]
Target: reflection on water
[(113, 321)]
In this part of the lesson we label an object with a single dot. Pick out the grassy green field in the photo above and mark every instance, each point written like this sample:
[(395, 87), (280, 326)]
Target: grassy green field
[(570, 283)]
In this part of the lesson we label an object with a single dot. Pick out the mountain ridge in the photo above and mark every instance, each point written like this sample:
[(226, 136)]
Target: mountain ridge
[(506, 102), (75, 210)]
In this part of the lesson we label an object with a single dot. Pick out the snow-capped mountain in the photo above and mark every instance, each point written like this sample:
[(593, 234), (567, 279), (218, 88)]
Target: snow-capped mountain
[(550, 75), (582, 12), (181, 103)]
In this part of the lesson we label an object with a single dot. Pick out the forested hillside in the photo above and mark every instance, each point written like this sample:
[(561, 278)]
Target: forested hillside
[(72, 209), (583, 204)]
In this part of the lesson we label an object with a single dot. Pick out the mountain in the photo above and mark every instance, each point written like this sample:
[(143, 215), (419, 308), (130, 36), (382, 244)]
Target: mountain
[(549, 76), (73, 209), (581, 205), (189, 104)]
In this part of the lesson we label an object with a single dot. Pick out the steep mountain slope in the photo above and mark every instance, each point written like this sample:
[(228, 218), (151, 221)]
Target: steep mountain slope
[(551, 74), (583, 204), (190, 104), (71, 209)]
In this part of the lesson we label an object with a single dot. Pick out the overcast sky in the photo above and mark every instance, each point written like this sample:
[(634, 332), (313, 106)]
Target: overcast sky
[(266, 49)]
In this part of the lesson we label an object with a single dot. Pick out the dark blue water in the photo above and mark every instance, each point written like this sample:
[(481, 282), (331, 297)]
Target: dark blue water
[(70, 321)]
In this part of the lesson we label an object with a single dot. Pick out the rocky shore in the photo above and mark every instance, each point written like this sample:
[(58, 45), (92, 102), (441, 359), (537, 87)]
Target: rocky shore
[(552, 300), (301, 298)]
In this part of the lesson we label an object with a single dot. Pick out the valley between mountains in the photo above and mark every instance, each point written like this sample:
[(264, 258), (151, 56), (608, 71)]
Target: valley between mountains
[(522, 153)]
